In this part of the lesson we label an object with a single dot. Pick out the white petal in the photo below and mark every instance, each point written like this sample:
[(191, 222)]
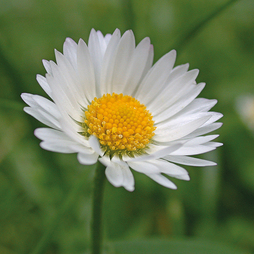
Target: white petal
[(215, 116), (120, 175), (193, 141), (86, 72), (189, 150), (43, 117), (47, 66), (29, 99), (128, 179), (176, 122), (41, 102), (107, 38), (105, 161), (69, 80), (103, 41), (64, 96), (58, 141), (169, 168), (190, 161), (197, 105), (87, 159), (129, 186), (70, 51), (172, 92), (162, 180), (44, 84), (51, 135), (124, 54), (155, 78), (177, 72), (72, 129), (94, 143), (186, 115), (144, 167), (80, 148), (182, 177), (157, 154), (200, 140), (97, 52), (149, 63), (187, 98), (214, 144), (47, 112), (152, 167), (204, 130), (136, 67), (108, 63), (179, 131), (60, 147), (114, 174)]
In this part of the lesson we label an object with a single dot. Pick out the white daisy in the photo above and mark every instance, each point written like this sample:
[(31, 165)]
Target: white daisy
[(110, 104)]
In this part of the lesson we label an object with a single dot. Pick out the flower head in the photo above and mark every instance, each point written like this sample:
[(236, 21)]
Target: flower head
[(110, 104)]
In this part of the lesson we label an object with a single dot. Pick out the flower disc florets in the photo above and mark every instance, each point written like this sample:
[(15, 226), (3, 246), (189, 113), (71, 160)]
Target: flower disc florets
[(120, 122)]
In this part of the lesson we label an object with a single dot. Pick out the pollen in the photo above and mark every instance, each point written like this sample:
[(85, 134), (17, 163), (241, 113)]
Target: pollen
[(120, 122)]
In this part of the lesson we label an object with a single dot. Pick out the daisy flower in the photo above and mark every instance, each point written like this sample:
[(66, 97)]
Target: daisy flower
[(109, 103)]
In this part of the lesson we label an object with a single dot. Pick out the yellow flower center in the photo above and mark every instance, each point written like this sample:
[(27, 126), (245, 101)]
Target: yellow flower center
[(120, 123)]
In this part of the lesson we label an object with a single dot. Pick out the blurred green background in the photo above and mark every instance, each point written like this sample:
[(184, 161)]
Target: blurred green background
[(217, 205)]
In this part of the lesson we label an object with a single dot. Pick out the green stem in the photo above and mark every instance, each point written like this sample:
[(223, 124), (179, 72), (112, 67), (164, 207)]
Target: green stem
[(67, 203), (96, 229), (186, 37)]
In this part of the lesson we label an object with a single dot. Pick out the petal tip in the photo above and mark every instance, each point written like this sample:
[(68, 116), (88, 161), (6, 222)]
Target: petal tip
[(130, 188)]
